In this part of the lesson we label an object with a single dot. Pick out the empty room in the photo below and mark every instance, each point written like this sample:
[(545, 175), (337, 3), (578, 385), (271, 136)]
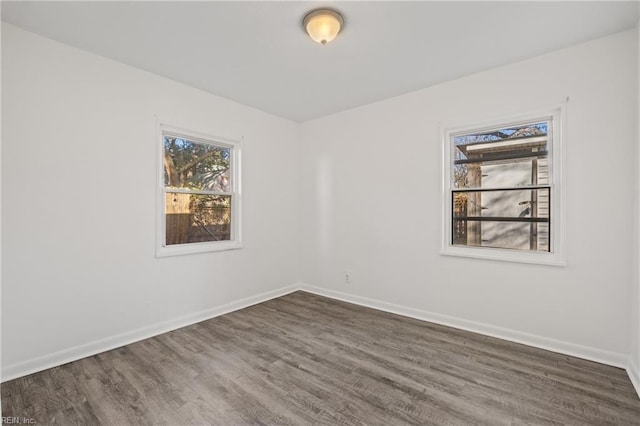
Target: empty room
[(371, 213)]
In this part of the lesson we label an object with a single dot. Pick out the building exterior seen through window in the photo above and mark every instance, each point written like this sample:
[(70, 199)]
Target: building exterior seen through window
[(501, 187)]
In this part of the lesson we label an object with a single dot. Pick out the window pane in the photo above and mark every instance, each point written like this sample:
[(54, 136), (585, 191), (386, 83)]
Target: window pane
[(507, 235), (515, 203), (192, 218), (516, 219), (194, 165), (505, 157)]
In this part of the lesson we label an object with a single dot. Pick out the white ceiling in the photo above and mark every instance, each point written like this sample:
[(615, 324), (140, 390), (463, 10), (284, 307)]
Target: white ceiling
[(256, 53)]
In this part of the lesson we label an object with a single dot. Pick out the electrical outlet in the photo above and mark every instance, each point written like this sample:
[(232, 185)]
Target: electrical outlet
[(348, 276)]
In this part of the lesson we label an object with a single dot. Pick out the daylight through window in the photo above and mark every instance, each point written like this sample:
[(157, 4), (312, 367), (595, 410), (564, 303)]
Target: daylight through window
[(501, 187), (198, 191)]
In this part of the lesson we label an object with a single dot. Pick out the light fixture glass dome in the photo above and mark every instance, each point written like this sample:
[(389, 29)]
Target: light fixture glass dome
[(323, 25)]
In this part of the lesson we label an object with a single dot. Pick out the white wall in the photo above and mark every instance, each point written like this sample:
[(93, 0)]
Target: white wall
[(0, 215), (634, 364), (371, 195), (78, 195)]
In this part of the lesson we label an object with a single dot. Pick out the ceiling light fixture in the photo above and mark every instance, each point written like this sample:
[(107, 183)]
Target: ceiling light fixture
[(323, 25)]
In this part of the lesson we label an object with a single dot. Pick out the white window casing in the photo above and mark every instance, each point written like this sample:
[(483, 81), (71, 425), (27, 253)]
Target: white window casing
[(556, 254), (235, 241)]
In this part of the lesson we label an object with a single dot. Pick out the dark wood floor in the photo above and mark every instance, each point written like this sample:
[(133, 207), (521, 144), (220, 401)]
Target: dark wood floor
[(305, 359)]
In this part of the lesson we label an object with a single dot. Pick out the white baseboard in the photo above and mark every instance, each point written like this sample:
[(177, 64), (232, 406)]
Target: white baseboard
[(634, 374), (579, 351), (64, 356)]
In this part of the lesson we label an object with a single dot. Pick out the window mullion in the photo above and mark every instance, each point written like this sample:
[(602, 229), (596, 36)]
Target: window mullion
[(195, 191), (503, 188)]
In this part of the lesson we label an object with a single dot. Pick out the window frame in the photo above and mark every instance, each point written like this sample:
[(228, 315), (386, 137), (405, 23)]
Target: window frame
[(235, 242), (556, 255)]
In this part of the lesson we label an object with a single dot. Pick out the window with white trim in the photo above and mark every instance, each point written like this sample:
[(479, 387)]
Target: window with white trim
[(198, 201), (501, 183)]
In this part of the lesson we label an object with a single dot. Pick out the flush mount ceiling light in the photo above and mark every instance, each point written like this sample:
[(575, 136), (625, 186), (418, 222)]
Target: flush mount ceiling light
[(323, 25)]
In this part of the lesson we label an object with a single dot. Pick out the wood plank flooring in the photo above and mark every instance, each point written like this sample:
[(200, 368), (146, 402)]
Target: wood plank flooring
[(305, 359)]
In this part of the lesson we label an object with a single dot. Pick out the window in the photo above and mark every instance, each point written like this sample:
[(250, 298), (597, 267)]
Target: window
[(198, 200), (502, 191)]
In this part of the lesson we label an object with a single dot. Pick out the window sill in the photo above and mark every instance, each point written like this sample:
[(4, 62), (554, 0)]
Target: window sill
[(505, 255), (194, 248)]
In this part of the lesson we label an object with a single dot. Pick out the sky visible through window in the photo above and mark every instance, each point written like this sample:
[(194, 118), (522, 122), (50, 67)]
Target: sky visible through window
[(534, 129)]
